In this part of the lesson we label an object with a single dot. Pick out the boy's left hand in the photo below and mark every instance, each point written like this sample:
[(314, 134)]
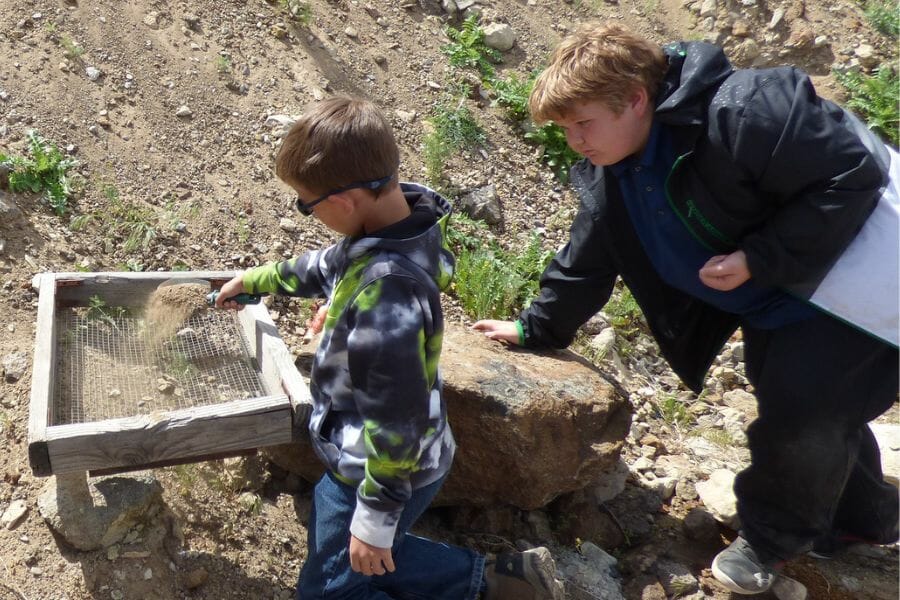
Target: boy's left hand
[(369, 560), (725, 272)]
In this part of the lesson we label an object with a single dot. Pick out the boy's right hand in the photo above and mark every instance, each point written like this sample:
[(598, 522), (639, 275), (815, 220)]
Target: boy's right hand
[(231, 289), (504, 331)]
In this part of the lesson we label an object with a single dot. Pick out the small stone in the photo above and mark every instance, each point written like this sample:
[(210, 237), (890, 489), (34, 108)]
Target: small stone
[(13, 514), (93, 73), (195, 578), (184, 112)]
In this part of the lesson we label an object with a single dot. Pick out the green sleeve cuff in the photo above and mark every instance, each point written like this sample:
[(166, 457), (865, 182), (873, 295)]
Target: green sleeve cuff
[(261, 280), (521, 331)]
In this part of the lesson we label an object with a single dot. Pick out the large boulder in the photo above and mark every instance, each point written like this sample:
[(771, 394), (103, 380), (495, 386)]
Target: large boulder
[(529, 426)]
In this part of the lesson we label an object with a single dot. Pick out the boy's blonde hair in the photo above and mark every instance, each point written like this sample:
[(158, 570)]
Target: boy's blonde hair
[(337, 142), (599, 61)]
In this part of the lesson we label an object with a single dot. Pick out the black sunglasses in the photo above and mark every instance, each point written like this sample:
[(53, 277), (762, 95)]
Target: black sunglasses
[(305, 208)]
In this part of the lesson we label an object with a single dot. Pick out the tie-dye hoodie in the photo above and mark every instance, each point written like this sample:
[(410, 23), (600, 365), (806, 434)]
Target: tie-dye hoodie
[(379, 421)]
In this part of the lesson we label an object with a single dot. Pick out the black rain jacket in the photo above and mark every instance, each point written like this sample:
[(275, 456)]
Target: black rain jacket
[(763, 165)]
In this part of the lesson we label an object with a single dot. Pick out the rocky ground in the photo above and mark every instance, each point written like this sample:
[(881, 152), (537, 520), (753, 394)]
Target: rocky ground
[(173, 111)]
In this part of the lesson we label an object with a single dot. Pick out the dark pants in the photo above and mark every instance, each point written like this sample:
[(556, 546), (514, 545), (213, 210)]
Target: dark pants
[(815, 466)]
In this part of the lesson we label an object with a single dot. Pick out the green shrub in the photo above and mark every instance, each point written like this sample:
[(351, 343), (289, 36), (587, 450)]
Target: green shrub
[(45, 171), (884, 16), (490, 282), (453, 129), (468, 50), (674, 412), (512, 94), (557, 153), (299, 10), (133, 225), (874, 98)]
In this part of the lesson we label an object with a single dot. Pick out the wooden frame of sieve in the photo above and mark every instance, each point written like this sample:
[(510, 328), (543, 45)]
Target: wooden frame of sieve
[(163, 438)]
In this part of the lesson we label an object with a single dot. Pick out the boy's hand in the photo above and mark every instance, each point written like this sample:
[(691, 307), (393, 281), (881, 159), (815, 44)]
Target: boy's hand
[(369, 560), (234, 287), (498, 330), (315, 323), (725, 272)]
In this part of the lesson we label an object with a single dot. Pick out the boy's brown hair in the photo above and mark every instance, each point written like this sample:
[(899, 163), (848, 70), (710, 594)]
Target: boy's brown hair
[(337, 142), (599, 61)]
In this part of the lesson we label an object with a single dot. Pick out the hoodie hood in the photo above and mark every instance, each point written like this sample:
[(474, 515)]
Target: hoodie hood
[(428, 249), (696, 69)]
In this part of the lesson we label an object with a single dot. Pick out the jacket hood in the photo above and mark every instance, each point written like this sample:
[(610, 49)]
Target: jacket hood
[(428, 249), (695, 71)]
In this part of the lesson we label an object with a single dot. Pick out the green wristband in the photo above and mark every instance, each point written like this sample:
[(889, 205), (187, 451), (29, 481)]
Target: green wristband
[(521, 332)]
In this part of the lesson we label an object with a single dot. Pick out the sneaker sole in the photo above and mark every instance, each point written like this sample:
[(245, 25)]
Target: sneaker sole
[(732, 585)]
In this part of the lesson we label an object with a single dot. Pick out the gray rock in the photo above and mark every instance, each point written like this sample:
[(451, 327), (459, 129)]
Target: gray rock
[(14, 366), (67, 505), (786, 588), (499, 36), (700, 525), (93, 73), (717, 494), (287, 224), (612, 483), (676, 578), (184, 112), (14, 514), (590, 574), (482, 203)]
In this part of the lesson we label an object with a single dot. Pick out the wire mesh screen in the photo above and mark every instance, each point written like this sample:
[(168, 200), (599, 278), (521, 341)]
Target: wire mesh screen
[(111, 366)]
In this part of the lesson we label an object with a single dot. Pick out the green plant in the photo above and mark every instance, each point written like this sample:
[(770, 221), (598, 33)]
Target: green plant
[(187, 477), (556, 151), (70, 48), (884, 16), (99, 310), (453, 128), (874, 98), (45, 171), (7, 425), (223, 64), (179, 365), (467, 48), (719, 437), (623, 311), (512, 94), (673, 411), (243, 229), (133, 225), (489, 281), (299, 10)]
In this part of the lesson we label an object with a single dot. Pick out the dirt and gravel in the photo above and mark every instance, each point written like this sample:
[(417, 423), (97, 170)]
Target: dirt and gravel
[(173, 111)]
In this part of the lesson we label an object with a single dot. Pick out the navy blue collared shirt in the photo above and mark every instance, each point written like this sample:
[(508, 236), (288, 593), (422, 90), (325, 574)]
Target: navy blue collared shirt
[(676, 254)]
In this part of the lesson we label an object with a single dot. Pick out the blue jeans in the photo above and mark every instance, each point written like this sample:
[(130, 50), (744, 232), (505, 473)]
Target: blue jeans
[(424, 569)]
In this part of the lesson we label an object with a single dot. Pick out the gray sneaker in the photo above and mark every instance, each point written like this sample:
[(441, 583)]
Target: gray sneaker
[(529, 575), (740, 569)]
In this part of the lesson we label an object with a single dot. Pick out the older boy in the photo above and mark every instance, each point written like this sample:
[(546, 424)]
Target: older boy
[(711, 191), (379, 421)]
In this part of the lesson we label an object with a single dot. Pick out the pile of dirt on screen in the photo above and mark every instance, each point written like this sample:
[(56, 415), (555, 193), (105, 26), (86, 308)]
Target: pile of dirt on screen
[(173, 353)]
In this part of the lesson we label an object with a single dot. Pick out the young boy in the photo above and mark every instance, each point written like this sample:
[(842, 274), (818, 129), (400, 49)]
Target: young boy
[(379, 421), (727, 198)]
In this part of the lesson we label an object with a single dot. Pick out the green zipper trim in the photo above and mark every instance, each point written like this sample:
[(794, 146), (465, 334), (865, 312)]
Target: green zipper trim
[(693, 211)]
